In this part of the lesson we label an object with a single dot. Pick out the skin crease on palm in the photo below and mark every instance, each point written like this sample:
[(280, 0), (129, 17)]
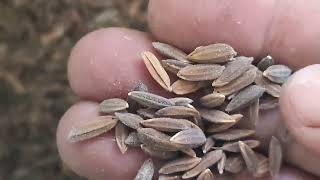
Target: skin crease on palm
[(106, 63)]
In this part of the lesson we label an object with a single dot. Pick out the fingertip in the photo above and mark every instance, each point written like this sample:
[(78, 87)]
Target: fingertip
[(106, 63), (97, 158), (299, 105)]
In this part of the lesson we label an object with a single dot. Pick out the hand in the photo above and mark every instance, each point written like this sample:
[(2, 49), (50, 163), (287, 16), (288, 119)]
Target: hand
[(107, 63)]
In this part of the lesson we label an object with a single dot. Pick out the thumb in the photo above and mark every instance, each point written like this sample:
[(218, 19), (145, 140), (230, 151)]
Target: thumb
[(300, 106)]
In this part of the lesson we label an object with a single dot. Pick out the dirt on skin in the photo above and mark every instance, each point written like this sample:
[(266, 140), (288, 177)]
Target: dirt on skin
[(36, 37)]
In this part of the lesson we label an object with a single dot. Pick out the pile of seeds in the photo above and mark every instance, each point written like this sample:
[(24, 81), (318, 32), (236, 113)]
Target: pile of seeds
[(198, 137)]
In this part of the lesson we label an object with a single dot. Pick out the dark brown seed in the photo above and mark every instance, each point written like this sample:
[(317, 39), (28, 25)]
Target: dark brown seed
[(149, 99), (245, 97), (275, 156), (222, 163), (268, 103), (147, 113), (277, 73), (216, 116), (160, 154), (234, 69), (241, 82), (168, 124), (234, 164), (170, 51), (121, 134), (178, 112), (156, 139), (233, 134), (181, 101), (170, 177), (208, 145), (113, 105), (265, 63), (214, 53), (212, 100), (156, 70), (271, 88), (201, 72), (219, 127), (146, 171), (208, 160), (190, 152), (205, 175), (179, 165), (133, 140), (182, 87), (234, 146), (173, 66), (249, 157), (92, 128), (189, 138), (129, 119)]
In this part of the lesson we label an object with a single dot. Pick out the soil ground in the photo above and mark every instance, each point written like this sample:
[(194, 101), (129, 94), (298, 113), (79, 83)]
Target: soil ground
[(35, 41)]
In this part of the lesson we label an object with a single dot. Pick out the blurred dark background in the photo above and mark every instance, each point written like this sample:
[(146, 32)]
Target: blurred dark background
[(35, 41)]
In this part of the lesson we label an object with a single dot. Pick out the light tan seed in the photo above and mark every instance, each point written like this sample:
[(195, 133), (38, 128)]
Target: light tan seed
[(234, 146), (92, 128), (263, 166), (178, 112), (181, 101), (208, 160), (277, 73), (168, 124), (271, 88), (233, 134), (222, 163), (146, 171), (245, 97), (121, 134), (241, 82), (189, 138), (201, 72), (234, 164), (170, 177), (268, 103), (170, 51), (179, 165), (205, 175), (113, 105), (249, 157), (265, 62), (234, 69), (147, 113), (160, 154), (129, 119), (149, 99), (156, 70), (214, 53), (173, 65), (212, 100), (216, 116), (182, 87), (156, 139), (253, 113), (133, 140), (208, 145), (275, 157), (219, 127)]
